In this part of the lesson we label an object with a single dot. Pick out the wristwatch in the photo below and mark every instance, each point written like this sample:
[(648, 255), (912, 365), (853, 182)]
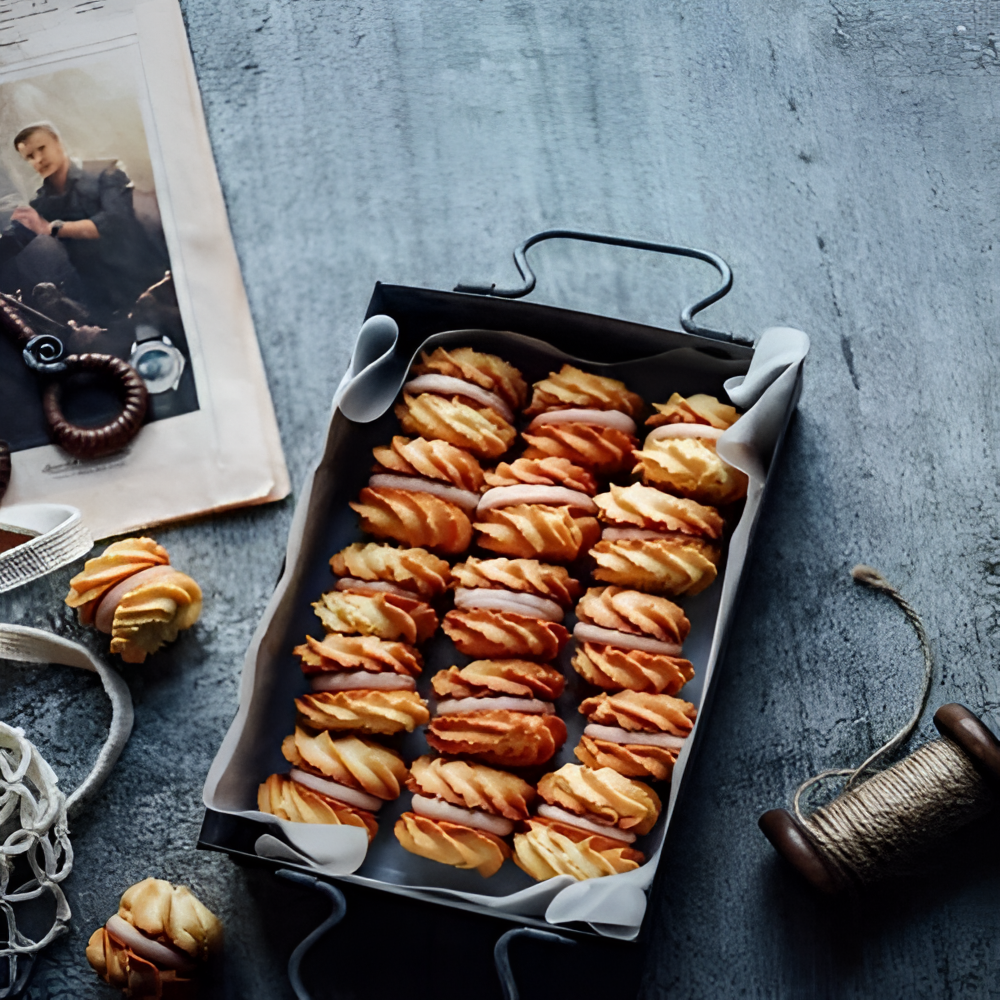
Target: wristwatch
[(159, 364), (54, 227)]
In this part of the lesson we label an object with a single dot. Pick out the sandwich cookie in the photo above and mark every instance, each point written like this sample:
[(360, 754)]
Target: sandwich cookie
[(158, 942), (464, 397), (679, 455), (132, 593), (498, 711), (587, 419), (628, 640), (637, 734), (422, 492), (461, 813), (343, 781), (657, 542)]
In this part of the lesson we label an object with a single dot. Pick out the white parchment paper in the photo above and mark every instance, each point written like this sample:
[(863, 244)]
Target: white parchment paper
[(613, 906)]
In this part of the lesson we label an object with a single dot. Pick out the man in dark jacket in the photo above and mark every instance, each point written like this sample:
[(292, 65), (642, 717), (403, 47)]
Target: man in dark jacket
[(80, 232)]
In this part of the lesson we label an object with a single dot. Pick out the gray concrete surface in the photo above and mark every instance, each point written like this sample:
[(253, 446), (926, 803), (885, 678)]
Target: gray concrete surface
[(843, 157)]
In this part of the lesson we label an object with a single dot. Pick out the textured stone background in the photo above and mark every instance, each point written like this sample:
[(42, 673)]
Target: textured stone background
[(844, 158)]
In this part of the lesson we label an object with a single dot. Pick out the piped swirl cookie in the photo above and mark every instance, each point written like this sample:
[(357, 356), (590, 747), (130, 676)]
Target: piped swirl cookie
[(132, 593), (534, 530), (655, 541), (290, 800), (461, 812), (679, 455), (487, 371), (369, 711), (348, 778), (157, 943), (582, 418), (635, 733), (345, 662), (500, 711), (599, 800), (549, 848), (479, 429), (499, 679), (414, 518), (489, 634), (631, 640), (404, 572), (385, 616), (545, 471)]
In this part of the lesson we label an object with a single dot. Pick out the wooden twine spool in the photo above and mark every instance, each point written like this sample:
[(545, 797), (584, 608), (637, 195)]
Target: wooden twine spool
[(876, 825), (897, 814)]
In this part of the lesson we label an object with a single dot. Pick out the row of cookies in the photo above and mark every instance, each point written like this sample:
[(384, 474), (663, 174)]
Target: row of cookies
[(362, 674), (629, 641), (588, 815)]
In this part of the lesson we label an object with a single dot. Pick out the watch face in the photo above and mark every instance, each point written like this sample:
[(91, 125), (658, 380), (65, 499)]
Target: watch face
[(159, 365)]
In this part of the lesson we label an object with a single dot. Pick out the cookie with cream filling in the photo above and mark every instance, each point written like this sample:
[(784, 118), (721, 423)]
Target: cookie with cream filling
[(549, 848), (460, 812), (635, 733), (414, 571), (631, 640), (157, 943)]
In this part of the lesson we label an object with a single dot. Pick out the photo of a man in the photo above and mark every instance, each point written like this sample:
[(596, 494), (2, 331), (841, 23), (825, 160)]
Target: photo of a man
[(83, 254), (79, 233)]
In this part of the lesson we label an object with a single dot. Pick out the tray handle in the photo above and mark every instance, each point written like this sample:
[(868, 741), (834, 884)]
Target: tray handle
[(687, 313)]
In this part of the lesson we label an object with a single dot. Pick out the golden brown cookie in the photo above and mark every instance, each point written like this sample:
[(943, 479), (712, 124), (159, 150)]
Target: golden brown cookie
[(631, 760), (478, 429), (385, 616), (536, 531), (117, 562), (517, 678), (287, 799), (549, 849), (571, 388), (433, 459), (602, 795), (471, 786), (690, 468), (639, 506), (415, 519), (617, 669), (417, 570), (634, 612), (485, 370), (503, 738), (502, 634), (524, 576), (661, 564), (347, 760), (549, 471), (151, 613), (697, 409), (364, 711), (606, 450), (156, 943), (355, 652), (638, 711), (451, 843)]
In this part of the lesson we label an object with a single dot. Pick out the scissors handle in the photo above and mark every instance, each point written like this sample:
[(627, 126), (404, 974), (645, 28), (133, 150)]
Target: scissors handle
[(94, 442)]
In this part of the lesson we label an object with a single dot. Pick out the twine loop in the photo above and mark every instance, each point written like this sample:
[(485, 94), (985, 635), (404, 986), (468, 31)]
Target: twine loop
[(875, 824)]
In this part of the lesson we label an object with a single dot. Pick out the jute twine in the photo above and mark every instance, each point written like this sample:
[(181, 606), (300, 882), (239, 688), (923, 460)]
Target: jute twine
[(881, 822)]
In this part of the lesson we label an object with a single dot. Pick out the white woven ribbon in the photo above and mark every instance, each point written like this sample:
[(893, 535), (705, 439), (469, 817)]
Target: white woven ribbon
[(59, 539), (33, 809)]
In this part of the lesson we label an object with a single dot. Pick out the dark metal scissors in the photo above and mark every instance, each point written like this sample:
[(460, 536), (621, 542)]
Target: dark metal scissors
[(44, 353)]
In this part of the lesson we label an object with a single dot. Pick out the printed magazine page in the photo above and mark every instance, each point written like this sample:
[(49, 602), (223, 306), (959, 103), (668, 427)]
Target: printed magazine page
[(115, 241)]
